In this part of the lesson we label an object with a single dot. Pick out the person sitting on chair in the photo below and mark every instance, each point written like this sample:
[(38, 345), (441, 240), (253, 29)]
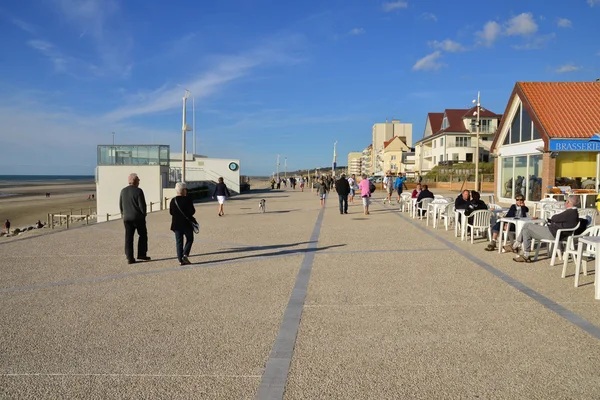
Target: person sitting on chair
[(475, 204), (425, 194), (512, 212), (567, 219)]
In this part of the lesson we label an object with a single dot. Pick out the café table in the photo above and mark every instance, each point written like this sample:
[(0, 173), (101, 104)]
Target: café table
[(590, 241)]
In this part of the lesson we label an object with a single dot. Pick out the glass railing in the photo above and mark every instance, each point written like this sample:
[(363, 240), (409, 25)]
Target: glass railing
[(133, 155)]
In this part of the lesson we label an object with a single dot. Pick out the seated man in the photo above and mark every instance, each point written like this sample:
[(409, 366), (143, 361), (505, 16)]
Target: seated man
[(425, 194), (462, 201), (512, 212), (475, 204), (564, 220)]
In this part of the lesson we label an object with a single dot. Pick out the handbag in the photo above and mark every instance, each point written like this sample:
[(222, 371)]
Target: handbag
[(193, 221)]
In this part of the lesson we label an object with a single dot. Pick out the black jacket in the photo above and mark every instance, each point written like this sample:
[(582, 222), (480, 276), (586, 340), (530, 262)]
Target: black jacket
[(221, 190), (564, 220), (342, 187), (425, 194), (512, 211), (474, 206), (132, 204), (461, 203), (179, 222)]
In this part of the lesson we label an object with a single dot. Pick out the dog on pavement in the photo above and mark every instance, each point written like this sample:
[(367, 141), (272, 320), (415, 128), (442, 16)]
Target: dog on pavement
[(262, 206)]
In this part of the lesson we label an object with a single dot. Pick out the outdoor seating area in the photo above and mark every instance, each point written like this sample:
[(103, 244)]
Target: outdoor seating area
[(476, 228)]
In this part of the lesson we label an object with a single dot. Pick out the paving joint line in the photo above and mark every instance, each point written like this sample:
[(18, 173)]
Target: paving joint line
[(553, 306), (274, 379)]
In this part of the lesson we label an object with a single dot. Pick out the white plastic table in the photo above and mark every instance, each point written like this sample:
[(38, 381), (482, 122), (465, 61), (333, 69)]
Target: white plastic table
[(592, 241), (519, 224), (435, 207)]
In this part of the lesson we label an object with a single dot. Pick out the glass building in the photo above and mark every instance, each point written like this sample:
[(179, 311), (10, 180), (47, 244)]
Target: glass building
[(133, 154)]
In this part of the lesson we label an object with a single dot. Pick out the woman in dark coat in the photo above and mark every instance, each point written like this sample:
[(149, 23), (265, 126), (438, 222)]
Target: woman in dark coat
[(182, 211), (221, 192)]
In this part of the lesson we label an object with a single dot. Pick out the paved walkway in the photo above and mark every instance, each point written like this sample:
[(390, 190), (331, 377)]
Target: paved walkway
[(297, 303)]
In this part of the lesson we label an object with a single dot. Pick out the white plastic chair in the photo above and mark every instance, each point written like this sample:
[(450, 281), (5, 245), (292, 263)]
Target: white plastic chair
[(480, 221), (433, 211), (571, 250), (554, 245), (588, 212), (421, 205), (537, 206), (405, 202), (447, 215), (437, 196)]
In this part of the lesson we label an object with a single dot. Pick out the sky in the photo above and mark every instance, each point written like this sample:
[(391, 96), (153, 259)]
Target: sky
[(268, 77)]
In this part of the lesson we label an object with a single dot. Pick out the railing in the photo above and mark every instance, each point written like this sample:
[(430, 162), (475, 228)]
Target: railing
[(69, 217)]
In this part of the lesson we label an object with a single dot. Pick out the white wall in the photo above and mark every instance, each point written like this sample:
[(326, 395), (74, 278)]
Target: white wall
[(210, 169), (111, 179)]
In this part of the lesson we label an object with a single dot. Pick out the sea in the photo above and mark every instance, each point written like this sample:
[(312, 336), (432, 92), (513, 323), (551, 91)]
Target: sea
[(30, 180)]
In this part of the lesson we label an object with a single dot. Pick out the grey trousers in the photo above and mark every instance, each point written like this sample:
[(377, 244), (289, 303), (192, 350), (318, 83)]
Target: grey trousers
[(533, 231)]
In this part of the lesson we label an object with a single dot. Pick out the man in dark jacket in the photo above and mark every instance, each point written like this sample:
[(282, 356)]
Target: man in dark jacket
[(475, 204), (342, 187), (512, 212), (425, 194), (564, 220), (462, 201), (133, 209)]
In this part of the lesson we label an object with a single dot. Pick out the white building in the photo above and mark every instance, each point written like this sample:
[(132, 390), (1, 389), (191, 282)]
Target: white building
[(355, 162), (158, 171), (383, 132), (449, 137)]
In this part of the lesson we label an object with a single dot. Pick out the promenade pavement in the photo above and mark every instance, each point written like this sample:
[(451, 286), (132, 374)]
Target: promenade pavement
[(297, 303)]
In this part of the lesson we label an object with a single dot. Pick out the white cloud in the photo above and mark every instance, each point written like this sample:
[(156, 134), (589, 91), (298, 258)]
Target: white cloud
[(567, 68), (523, 25), (536, 42), (63, 63), (447, 45), (225, 70), (564, 23), (395, 5), (27, 27), (429, 62), (593, 3), (92, 18), (491, 31), (430, 16), (357, 31)]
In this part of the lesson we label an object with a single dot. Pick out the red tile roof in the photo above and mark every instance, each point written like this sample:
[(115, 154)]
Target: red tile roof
[(435, 120), (455, 121), (564, 109), (485, 113), (385, 144)]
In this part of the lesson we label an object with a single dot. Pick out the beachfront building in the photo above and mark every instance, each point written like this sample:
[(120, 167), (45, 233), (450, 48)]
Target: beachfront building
[(355, 162), (159, 170), (544, 140), (365, 165), (449, 138), (381, 133), (393, 150), (408, 164)]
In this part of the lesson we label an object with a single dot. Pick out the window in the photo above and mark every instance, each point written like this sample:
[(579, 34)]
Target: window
[(441, 142), (434, 144), (454, 156), (484, 138), (469, 157), (486, 126), (445, 122), (521, 175), (463, 141), (433, 160), (525, 126), (441, 158), (393, 158), (506, 177), (515, 128)]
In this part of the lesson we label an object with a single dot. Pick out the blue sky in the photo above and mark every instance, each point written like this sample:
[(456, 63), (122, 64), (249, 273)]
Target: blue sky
[(269, 77)]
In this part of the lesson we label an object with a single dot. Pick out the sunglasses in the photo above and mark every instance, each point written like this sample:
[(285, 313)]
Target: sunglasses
[(520, 199)]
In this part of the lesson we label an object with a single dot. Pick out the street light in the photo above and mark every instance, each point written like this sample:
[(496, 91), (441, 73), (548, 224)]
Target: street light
[(277, 166), (184, 128), (477, 113), (334, 160), (285, 167)]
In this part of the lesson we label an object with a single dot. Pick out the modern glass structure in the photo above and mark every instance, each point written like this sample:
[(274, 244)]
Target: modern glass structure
[(133, 154)]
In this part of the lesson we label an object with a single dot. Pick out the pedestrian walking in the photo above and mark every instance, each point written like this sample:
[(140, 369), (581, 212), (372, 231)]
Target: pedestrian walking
[(388, 184), (7, 226), (222, 192), (353, 187), (365, 193), (342, 187), (132, 204), (399, 184), (322, 191), (182, 219)]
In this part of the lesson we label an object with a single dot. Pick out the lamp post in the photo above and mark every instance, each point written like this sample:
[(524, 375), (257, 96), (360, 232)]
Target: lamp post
[(278, 166), (194, 122), (334, 160), (477, 113), (113, 138), (285, 167)]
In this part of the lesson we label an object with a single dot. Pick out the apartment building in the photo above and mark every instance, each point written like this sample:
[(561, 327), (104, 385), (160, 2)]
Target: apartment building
[(393, 150), (383, 132), (450, 137), (366, 161), (355, 162)]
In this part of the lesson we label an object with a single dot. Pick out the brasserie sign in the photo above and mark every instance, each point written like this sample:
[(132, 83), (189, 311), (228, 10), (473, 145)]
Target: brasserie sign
[(573, 145)]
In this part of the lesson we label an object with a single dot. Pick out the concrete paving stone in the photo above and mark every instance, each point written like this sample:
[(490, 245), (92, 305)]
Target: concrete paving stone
[(435, 351), (127, 387)]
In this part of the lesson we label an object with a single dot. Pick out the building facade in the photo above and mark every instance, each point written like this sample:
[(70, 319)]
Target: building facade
[(392, 155), (546, 139), (450, 137), (381, 133), (367, 160), (355, 163)]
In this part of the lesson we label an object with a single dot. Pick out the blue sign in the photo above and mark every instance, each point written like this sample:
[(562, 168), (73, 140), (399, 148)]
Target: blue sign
[(573, 145)]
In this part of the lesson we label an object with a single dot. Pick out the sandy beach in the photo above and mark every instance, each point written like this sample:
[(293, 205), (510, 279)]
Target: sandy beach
[(28, 203)]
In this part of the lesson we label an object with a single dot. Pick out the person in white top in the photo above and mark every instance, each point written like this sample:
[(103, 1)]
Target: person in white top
[(388, 183), (352, 183)]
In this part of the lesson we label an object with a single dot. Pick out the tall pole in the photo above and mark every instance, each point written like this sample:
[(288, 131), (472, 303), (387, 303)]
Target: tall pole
[(194, 121), (113, 138), (334, 160), (277, 165), (477, 144), (183, 140), (285, 167)]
